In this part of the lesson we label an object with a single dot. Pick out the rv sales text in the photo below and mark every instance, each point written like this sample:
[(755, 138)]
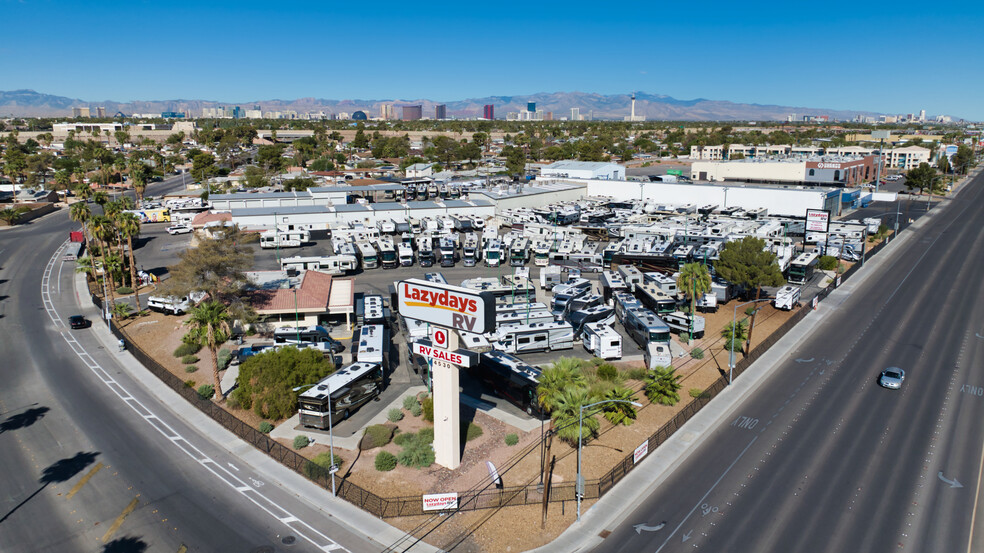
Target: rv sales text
[(441, 355), (441, 299)]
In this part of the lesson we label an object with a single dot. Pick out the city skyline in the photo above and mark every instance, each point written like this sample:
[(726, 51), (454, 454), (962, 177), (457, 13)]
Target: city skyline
[(727, 52)]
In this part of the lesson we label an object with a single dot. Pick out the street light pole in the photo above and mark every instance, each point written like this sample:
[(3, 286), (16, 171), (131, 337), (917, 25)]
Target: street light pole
[(579, 482)]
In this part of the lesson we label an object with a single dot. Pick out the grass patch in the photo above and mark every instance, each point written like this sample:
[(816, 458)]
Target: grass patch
[(511, 439)]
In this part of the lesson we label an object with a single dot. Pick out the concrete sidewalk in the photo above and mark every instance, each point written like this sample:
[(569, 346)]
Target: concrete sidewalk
[(358, 522), (611, 510)]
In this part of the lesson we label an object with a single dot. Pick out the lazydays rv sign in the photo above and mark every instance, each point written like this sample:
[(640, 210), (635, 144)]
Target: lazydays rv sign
[(447, 306)]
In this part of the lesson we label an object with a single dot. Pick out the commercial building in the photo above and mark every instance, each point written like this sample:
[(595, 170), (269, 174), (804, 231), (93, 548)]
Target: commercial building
[(413, 113), (583, 170), (312, 298), (908, 157), (818, 170), (488, 112), (531, 107), (539, 194), (440, 111), (386, 112), (80, 112)]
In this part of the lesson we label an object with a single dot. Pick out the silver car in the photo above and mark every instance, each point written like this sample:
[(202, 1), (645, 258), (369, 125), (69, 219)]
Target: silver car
[(891, 378)]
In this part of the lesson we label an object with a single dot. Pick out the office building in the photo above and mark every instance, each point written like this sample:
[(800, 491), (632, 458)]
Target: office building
[(238, 113), (386, 112), (440, 111), (413, 113), (101, 112), (531, 107), (81, 112), (829, 170), (489, 112), (575, 114)]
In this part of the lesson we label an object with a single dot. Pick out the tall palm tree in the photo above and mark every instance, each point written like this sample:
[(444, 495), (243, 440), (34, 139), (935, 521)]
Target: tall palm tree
[(567, 415), (620, 411), (129, 226), (81, 213), (564, 374), (104, 231), (694, 281), (210, 324)]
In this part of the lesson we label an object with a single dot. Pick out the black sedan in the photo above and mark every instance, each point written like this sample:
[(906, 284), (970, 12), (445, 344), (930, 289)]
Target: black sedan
[(78, 321)]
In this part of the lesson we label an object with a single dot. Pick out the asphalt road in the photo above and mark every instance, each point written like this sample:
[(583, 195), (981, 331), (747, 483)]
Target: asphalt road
[(93, 462), (820, 458)]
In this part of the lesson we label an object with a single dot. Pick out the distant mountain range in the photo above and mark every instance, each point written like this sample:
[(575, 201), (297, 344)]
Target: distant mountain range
[(598, 106)]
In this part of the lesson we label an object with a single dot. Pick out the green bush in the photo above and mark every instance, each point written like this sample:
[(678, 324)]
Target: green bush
[(232, 403), (426, 435), (191, 368), (385, 461), (696, 392), (186, 349), (223, 358), (416, 454), (428, 408), (416, 410), (189, 383), (607, 372), (266, 380), (376, 435), (684, 336), (470, 431), (266, 427), (697, 353), (189, 359), (512, 439), (324, 460), (636, 373), (124, 290), (827, 263), (409, 402), (402, 439), (394, 415), (206, 391), (301, 441)]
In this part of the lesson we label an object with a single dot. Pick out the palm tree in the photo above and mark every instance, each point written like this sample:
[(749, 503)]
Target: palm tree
[(129, 226), (83, 190), (694, 281), (662, 385), (209, 323), (567, 418), (734, 334), (104, 230), (100, 197), (565, 373), (81, 213), (11, 215), (620, 411)]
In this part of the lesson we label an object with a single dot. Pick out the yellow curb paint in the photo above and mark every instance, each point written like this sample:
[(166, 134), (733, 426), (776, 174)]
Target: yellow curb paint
[(119, 520)]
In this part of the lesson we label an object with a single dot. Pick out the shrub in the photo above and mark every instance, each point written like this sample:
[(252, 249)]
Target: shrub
[(206, 391), (696, 392), (324, 460), (607, 372), (186, 349), (385, 461), (394, 415), (636, 373), (409, 402), (470, 431), (266, 427), (223, 358), (827, 263), (189, 359), (697, 353), (124, 290), (232, 403), (402, 439), (684, 336), (416, 410), (662, 385), (301, 441), (266, 380), (191, 368), (416, 454), (426, 435), (189, 383), (376, 435), (512, 439), (428, 408)]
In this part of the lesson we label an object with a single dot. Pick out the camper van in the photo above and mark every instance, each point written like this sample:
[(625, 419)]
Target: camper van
[(333, 264), (493, 253), (448, 254), (550, 277), (601, 313), (368, 254), (372, 344), (276, 238), (787, 297), (470, 251), (405, 253), (534, 337), (519, 252), (655, 299), (611, 282), (583, 302), (541, 253), (173, 304), (387, 253), (681, 322), (564, 293), (644, 327), (631, 276), (425, 251), (666, 283), (802, 268), (304, 335), (340, 394), (624, 302), (602, 341), (657, 354)]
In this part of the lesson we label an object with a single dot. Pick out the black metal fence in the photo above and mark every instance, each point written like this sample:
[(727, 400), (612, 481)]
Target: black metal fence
[(488, 498)]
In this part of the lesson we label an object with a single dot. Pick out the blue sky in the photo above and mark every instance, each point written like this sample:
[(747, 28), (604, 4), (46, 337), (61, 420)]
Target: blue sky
[(895, 57)]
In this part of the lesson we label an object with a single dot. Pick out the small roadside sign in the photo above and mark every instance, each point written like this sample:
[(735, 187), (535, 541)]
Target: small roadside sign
[(461, 359)]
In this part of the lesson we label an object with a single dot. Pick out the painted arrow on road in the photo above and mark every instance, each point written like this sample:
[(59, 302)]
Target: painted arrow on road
[(953, 483), (810, 360), (687, 535), (640, 528)]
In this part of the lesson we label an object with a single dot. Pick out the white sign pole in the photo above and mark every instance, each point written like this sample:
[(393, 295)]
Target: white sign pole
[(447, 404)]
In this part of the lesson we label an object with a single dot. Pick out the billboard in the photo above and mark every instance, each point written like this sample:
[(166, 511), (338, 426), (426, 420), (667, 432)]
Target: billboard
[(448, 306), (817, 220)]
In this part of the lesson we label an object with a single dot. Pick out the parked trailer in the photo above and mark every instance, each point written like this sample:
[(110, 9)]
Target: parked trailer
[(275, 238), (787, 297), (534, 337), (405, 253), (173, 304), (493, 253), (523, 317), (370, 260), (602, 341), (332, 264), (657, 354), (519, 252), (681, 322), (611, 282), (579, 319)]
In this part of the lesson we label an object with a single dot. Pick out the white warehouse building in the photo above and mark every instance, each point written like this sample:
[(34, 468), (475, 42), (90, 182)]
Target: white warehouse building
[(323, 217), (568, 169), (778, 200)]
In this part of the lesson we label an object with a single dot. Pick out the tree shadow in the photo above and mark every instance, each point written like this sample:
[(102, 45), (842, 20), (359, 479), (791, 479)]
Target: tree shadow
[(61, 471), (23, 420), (127, 544)]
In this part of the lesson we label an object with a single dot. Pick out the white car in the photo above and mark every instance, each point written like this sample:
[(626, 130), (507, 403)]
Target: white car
[(178, 229)]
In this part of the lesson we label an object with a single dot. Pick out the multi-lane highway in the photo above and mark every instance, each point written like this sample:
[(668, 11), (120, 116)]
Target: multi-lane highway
[(820, 458), (92, 461)]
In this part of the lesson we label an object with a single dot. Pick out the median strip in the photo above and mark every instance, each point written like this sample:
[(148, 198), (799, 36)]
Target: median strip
[(84, 480), (119, 520)]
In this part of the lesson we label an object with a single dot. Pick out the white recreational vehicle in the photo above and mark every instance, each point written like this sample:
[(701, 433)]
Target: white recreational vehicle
[(332, 264), (787, 297), (681, 321), (173, 304), (602, 341), (276, 238), (534, 337)]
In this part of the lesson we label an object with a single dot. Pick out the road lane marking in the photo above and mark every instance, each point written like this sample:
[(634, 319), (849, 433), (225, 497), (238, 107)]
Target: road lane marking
[(119, 520), (977, 499), (84, 480), (701, 500), (264, 503)]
